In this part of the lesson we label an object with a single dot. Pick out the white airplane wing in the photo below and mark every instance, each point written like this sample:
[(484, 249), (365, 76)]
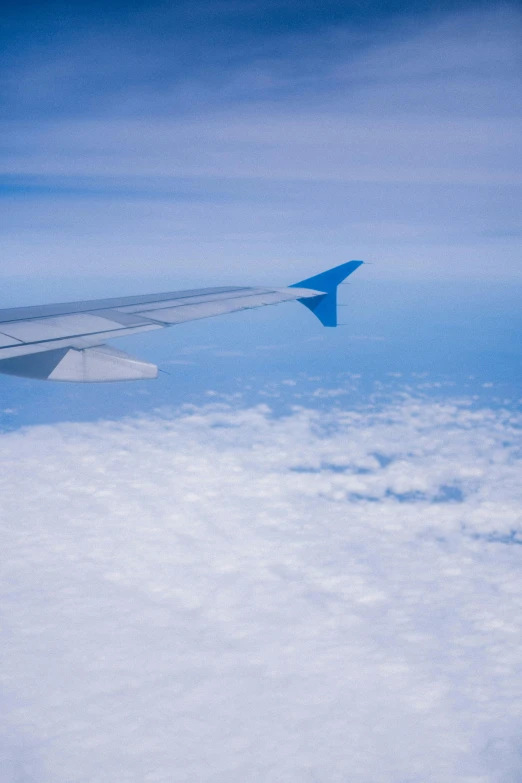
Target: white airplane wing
[(66, 342)]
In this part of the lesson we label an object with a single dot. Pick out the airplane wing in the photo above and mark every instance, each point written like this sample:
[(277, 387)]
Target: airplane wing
[(66, 342)]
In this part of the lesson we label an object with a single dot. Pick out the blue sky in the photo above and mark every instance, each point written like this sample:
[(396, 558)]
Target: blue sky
[(296, 555), (187, 140)]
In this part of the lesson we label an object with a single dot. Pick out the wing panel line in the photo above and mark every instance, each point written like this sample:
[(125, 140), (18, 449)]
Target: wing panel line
[(90, 306), (76, 341)]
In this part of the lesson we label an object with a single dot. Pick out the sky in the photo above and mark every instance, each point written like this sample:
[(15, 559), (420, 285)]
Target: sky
[(296, 555), (257, 139)]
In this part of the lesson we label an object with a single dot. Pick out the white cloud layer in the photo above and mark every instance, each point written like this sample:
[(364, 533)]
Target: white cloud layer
[(221, 595)]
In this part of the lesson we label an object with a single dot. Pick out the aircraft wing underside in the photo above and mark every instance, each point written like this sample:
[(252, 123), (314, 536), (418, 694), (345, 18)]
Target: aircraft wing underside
[(66, 342)]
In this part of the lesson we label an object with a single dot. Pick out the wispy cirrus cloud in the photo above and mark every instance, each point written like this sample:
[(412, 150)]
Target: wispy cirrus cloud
[(221, 592), (398, 142)]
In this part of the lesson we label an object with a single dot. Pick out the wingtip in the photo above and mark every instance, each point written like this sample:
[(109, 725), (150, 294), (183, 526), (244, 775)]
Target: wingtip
[(328, 280), (324, 305)]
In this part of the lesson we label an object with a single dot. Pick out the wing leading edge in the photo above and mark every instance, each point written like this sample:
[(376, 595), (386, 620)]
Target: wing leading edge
[(66, 342)]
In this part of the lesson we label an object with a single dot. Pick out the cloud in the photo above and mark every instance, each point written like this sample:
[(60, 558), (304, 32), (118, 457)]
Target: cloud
[(401, 146), (225, 594)]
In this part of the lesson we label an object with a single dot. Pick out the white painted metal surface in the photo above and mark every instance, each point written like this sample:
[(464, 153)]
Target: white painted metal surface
[(99, 365), (5, 340), (62, 326)]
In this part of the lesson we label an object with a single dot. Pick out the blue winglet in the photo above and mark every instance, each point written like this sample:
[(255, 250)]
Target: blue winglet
[(324, 306)]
